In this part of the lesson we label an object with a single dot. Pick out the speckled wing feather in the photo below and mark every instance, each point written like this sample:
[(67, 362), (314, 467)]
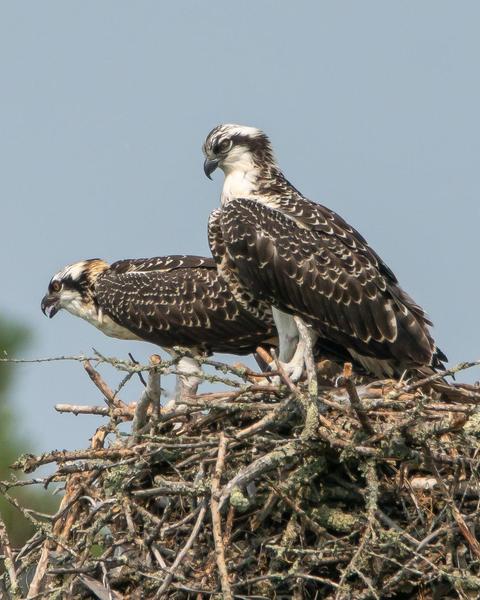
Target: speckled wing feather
[(243, 294), (180, 301), (305, 259), (162, 263)]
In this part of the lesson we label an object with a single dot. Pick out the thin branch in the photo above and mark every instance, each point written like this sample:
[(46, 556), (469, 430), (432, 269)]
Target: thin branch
[(40, 571), (9, 560), (188, 544), (140, 375), (150, 396), (355, 400), (440, 375), (216, 519), (79, 409), (107, 392)]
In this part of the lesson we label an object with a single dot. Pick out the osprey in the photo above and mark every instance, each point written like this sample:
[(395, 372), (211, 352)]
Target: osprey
[(168, 300), (274, 245)]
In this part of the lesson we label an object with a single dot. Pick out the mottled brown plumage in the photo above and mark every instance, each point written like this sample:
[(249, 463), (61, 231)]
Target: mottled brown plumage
[(169, 301), (304, 259)]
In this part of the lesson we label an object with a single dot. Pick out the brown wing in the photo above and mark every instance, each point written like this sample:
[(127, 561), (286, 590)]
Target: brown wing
[(179, 301), (306, 260), (163, 263), (243, 294)]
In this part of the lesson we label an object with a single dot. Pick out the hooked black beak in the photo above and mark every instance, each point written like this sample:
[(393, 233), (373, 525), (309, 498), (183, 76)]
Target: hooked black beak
[(209, 166), (49, 306)]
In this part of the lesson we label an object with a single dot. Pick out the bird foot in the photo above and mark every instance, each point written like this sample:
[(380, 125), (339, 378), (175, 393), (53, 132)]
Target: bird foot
[(292, 369)]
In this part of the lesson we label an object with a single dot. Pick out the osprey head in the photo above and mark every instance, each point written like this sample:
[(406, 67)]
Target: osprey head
[(73, 288), (236, 148)]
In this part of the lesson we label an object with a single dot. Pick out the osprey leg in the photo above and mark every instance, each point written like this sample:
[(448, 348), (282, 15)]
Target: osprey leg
[(189, 377), (308, 337), (291, 345)]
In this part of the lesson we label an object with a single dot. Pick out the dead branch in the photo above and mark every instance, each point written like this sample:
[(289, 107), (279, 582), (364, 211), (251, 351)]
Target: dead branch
[(216, 520), (355, 400), (150, 396), (9, 561), (108, 394)]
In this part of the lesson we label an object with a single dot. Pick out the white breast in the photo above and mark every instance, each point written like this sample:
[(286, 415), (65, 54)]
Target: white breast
[(240, 175), (74, 305), (109, 327)]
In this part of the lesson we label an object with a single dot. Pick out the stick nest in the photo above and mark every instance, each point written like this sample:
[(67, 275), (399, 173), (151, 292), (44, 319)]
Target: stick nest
[(352, 491)]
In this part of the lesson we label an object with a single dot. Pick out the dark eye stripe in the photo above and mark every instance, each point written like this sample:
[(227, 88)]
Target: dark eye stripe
[(68, 283)]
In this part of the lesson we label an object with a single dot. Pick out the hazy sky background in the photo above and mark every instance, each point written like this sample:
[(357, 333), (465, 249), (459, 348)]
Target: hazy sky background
[(372, 107)]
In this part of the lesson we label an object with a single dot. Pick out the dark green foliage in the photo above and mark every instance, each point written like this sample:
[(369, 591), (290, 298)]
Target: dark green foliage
[(13, 338)]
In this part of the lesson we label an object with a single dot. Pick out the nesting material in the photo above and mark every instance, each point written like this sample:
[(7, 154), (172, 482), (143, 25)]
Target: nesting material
[(355, 491)]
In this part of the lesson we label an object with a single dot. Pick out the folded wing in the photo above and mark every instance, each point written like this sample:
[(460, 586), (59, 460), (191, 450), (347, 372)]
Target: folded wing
[(179, 301), (304, 259)]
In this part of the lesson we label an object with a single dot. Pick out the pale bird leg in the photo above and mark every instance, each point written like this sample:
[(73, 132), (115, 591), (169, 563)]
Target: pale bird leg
[(287, 334), (308, 337), (291, 348), (294, 367), (188, 380)]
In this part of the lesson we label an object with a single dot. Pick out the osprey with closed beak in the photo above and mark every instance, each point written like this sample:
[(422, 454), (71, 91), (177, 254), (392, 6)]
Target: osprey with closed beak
[(274, 245)]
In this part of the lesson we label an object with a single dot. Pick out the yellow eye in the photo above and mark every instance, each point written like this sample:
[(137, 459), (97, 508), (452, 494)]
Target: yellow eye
[(56, 286)]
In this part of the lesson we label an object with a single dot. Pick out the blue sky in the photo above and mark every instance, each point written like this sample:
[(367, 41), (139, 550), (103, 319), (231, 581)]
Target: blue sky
[(372, 108)]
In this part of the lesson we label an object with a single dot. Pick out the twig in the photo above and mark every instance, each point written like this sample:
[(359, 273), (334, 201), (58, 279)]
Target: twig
[(440, 375), (140, 375), (472, 541), (151, 395), (369, 468), (275, 417), (174, 488), (261, 465), (284, 377), (216, 520), (314, 526), (154, 388), (427, 484), (22, 361), (188, 544), (390, 523), (355, 400), (307, 402), (283, 576), (40, 571), (28, 462), (107, 392), (9, 561), (80, 409)]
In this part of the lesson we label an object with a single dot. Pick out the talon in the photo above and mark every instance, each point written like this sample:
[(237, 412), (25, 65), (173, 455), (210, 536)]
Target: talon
[(294, 369)]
